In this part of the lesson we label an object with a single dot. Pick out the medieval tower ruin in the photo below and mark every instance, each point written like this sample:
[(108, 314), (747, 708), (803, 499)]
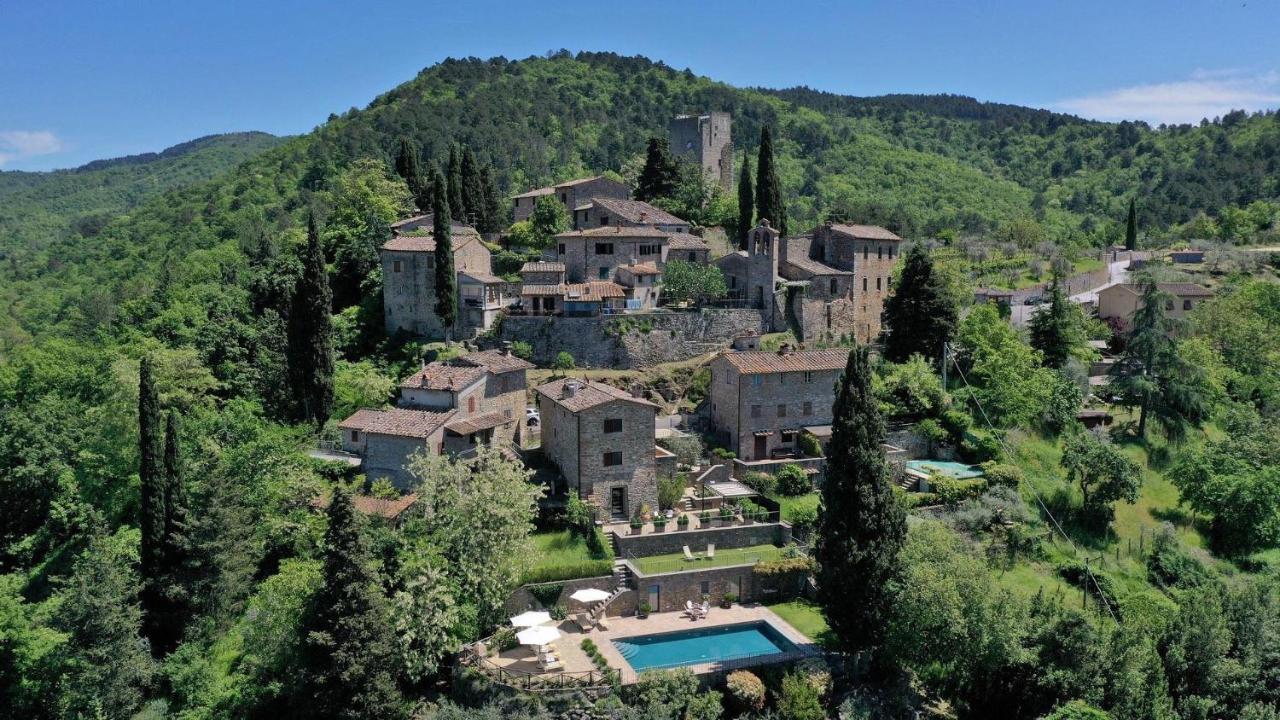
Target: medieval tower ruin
[(706, 140)]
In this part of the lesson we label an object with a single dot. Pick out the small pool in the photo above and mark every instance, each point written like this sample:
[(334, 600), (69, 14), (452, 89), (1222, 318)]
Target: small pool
[(959, 471), (693, 647)]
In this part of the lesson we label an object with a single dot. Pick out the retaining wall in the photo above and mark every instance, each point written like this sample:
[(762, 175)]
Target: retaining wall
[(521, 599), (724, 538)]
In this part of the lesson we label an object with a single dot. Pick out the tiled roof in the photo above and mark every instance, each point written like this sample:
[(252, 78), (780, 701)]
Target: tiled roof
[(542, 266), (616, 231), (397, 421), (813, 267), (594, 291), (579, 181), (496, 361), (1177, 289), (760, 361), (588, 395), (551, 189), (426, 219), (685, 241), (468, 425), (481, 277), (645, 268), (638, 211), (426, 243), (379, 507), (535, 193), (865, 232), (542, 290), (444, 376)]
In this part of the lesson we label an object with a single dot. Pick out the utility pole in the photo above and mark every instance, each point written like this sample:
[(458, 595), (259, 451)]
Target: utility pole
[(946, 360)]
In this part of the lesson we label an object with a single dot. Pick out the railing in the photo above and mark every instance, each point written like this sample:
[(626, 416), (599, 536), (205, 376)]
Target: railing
[(539, 682), (723, 558)]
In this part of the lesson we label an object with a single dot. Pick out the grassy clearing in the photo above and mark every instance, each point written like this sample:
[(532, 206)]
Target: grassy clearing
[(806, 617), (561, 555), (674, 562), (789, 505)]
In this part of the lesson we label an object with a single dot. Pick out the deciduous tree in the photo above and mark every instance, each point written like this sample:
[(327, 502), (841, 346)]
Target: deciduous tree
[(1105, 474)]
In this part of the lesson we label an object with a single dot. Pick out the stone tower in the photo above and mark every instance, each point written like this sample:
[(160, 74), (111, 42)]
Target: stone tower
[(762, 268), (706, 140)]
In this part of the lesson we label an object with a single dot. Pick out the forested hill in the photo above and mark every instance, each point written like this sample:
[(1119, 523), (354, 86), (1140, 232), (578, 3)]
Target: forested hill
[(39, 207), (921, 165)]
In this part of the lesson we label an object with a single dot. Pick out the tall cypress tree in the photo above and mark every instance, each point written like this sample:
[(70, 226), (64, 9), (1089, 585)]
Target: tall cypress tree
[(492, 220), (660, 175), (919, 316), (349, 649), (173, 580), (446, 278), (457, 204), (1054, 331), (407, 167), (861, 526), (769, 205), (1131, 228), (746, 201), (472, 190), (310, 332), (151, 502)]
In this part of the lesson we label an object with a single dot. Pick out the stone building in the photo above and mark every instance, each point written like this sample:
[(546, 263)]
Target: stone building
[(573, 194), (386, 439), (1118, 303), (761, 401), (602, 440), (490, 382), (596, 254), (605, 212), (409, 280), (707, 140), (688, 248), (642, 283)]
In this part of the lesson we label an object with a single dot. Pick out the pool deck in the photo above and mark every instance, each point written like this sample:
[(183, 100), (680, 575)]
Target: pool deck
[(568, 647)]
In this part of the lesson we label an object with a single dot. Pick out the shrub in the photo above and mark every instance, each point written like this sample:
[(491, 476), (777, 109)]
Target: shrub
[(979, 446), (1169, 564), (919, 499), (505, 639), (688, 449), (793, 480), (956, 422), (522, 350), (996, 505), (1003, 474), (803, 520), (705, 516), (670, 490), (673, 688), (799, 700), (951, 491), (683, 520), (931, 431), (546, 594), (763, 483), (810, 446), (569, 571), (1073, 572), (563, 361), (746, 691)]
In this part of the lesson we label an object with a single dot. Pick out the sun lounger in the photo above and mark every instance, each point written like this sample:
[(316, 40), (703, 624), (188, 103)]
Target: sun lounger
[(706, 608), (601, 623), (690, 610), (711, 551), (689, 555), (548, 665), (584, 621)]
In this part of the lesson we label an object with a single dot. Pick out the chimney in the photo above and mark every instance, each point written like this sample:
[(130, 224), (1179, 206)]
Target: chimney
[(643, 216), (570, 388), (784, 349)]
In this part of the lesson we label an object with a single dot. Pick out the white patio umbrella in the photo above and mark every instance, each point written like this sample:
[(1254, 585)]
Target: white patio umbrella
[(539, 636), (589, 595), (532, 618)]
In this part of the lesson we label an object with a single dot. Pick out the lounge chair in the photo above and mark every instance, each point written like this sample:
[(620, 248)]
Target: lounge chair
[(689, 555), (711, 551), (706, 608), (584, 621), (549, 664), (690, 610), (601, 623)]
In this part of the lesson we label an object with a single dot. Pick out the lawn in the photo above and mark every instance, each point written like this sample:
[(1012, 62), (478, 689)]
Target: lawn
[(805, 617), (788, 505), (561, 555), (673, 562)]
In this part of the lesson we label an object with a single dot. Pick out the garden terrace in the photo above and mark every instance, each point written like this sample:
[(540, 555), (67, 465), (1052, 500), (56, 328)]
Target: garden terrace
[(677, 562), (561, 555)]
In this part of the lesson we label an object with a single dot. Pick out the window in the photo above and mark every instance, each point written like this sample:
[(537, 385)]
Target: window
[(755, 411), (604, 248), (808, 408), (864, 284), (560, 249), (877, 284), (757, 380), (604, 220), (1168, 305), (890, 252), (431, 261), (613, 425), (604, 273), (808, 376), (879, 252), (613, 459), (866, 251), (833, 286), (782, 410), (706, 587), (788, 436), (507, 413), (1186, 304), (782, 378), (395, 266), (564, 197), (650, 249), (355, 436), (471, 404)]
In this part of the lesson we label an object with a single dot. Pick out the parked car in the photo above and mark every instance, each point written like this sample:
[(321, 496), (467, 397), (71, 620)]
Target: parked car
[(1033, 300), (532, 418)]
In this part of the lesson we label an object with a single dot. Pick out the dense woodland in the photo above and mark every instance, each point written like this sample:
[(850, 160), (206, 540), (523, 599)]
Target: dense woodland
[(151, 463)]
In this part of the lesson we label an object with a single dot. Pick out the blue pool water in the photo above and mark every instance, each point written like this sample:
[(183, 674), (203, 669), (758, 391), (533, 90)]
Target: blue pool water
[(959, 471), (691, 647)]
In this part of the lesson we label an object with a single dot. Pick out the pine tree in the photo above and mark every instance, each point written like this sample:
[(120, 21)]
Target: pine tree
[(349, 649), (746, 201), (151, 501), (660, 174), (492, 202), (472, 191), (457, 204), (919, 316), (1054, 330), (446, 278), (769, 205), (407, 168), (310, 335), (861, 526), (1131, 228)]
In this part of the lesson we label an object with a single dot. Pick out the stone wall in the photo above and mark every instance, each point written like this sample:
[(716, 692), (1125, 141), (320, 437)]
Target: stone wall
[(521, 599), (632, 340), (674, 589), (724, 538)]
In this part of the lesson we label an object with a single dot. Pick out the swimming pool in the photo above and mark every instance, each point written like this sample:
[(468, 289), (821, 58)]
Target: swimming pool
[(692, 647), (959, 471)]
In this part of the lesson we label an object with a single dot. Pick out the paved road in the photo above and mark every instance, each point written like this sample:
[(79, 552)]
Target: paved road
[(1117, 272)]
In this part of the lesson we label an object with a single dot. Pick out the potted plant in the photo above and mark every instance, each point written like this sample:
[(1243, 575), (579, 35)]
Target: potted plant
[(643, 609), (726, 515), (728, 600), (659, 523), (636, 524), (704, 519), (682, 522)]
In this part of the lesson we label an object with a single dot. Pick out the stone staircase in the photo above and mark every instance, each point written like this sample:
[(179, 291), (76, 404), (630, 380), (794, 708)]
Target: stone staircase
[(908, 483), (622, 576)]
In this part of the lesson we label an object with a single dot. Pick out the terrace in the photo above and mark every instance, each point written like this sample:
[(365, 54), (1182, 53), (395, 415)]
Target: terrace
[(677, 562)]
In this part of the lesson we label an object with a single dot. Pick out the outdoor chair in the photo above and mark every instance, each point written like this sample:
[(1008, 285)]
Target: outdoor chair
[(690, 610), (688, 555), (584, 621), (705, 609), (711, 551)]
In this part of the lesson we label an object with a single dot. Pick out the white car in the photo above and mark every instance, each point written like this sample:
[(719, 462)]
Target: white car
[(531, 417)]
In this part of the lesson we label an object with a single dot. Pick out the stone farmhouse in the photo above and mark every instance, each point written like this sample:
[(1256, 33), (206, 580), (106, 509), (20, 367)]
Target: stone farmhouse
[(707, 140), (602, 440), (445, 407), (575, 195), (827, 283), (1118, 303), (762, 401), (606, 212)]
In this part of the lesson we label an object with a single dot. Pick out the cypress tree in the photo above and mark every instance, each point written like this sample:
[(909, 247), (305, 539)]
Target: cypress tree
[(446, 278), (1131, 228), (492, 202), (172, 581), (919, 315), (472, 191), (861, 526), (1053, 330), (457, 204), (769, 205), (310, 336), (349, 648), (660, 174), (151, 502), (407, 167), (746, 201)]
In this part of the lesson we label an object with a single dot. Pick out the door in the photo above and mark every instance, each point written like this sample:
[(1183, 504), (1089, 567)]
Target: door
[(618, 502), (654, 597), (762, 447)]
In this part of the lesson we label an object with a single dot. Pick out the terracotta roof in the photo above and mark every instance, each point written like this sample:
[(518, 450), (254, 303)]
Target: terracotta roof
[(814, 267), (378, 507), (542, 266), (760, 361), (594, 291), (427, 243), (444, 376), (638, 211), (616, 231), (468, 425), (588, 395), (397, 421), (685, 241), (496, 361), (481, 277), (535, 193), (541, 290), (645, 268), (865, 232), (579, 181)]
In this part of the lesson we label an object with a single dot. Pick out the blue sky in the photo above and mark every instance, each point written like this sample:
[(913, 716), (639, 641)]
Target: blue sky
[(102, 78)]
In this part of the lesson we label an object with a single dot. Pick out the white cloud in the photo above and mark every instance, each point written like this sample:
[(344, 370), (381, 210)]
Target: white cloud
[(1205, 94), (19, 144)]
